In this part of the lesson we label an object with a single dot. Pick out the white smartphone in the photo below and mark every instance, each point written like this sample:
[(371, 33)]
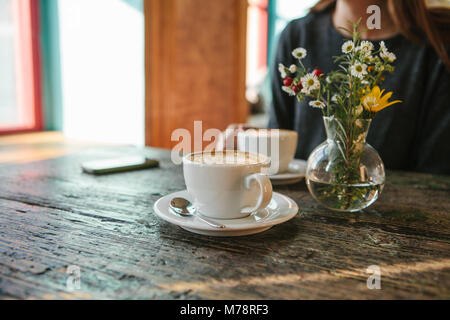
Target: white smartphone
[(118, 165)]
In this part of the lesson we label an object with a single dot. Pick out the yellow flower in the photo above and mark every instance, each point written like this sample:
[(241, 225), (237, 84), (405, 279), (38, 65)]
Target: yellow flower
[(374, 101)]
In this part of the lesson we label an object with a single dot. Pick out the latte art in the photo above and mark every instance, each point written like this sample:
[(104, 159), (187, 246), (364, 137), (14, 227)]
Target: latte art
[(226, 158)]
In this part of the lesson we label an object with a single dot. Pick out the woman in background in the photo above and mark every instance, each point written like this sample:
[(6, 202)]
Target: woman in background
[(414, 135)]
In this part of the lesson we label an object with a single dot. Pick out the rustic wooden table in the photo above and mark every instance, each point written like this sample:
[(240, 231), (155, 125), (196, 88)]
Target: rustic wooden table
[(55, 220)]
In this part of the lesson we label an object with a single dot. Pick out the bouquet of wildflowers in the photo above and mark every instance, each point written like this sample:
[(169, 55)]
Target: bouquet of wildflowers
[(350, 92), (349, 98)]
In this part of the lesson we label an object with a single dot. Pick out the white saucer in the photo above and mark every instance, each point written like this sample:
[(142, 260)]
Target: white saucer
[(280, 209), (295, 173)]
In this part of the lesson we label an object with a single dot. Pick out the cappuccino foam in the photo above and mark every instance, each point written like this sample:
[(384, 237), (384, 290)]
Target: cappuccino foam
[(227, 158)]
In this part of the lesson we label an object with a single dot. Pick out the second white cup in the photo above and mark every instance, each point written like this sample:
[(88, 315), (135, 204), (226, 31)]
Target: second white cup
[(277, 144)]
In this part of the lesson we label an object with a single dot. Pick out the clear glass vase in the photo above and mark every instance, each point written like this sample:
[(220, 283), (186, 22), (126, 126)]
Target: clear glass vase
[(345, 173)]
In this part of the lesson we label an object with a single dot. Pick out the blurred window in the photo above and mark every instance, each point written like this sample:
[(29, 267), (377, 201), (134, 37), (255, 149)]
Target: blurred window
[(282, 12), (257, 37), (20, 105), (266, 20)]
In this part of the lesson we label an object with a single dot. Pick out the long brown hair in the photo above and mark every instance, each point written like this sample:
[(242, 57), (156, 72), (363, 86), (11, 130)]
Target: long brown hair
[(416, 20)]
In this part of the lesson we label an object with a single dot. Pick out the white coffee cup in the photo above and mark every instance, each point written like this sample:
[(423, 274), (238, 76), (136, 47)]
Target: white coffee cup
[(227, 184), (277, 144)]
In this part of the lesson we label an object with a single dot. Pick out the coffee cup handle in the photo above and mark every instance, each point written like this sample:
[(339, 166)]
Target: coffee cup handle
[(265, 187)]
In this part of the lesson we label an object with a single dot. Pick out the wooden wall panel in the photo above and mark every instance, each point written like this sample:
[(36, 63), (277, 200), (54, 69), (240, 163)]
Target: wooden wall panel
[(195, 66)]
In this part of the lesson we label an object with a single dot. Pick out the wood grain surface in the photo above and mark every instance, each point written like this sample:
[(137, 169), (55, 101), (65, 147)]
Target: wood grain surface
[(52, 217)]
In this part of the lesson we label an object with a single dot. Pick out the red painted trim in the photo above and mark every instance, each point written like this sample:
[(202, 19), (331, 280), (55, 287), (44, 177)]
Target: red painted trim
[(28, 67), (263, 31), (35, 39)]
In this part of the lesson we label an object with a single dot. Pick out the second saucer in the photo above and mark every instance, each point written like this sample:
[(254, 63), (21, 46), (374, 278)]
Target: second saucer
[(295, 173)]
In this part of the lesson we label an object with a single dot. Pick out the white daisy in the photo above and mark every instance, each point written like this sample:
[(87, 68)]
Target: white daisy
[(388, 56), (317, 104), (310, 82), (282, 69), (299, 53), (288, 90), (293, 68), (385, 54), (366, 47), (348, 46), (359, 70)]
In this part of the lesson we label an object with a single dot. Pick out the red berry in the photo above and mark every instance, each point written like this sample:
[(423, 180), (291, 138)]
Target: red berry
[(287, 81), (317, 72), (295, 88)]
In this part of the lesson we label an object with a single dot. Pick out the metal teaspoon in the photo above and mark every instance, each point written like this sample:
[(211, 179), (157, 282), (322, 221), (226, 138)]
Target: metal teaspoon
[(184, 208)]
